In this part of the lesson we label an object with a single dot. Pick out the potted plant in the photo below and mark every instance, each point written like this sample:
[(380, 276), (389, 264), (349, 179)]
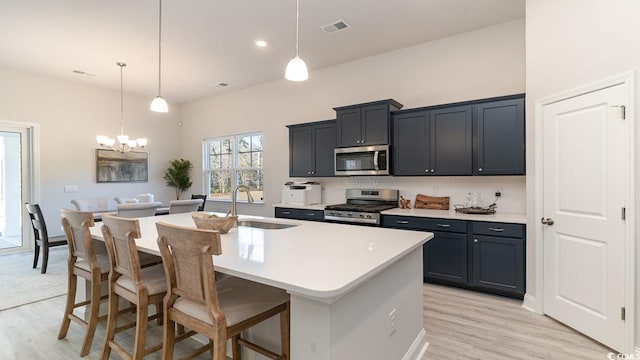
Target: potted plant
[(178, 175)]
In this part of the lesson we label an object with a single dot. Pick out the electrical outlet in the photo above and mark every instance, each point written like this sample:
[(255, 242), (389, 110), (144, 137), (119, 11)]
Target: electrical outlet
[(71, 188), (392, 322), (498, 193), (435, 190)]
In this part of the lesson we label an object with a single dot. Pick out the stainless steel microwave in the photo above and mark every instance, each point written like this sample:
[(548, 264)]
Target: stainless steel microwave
[(362, 160)]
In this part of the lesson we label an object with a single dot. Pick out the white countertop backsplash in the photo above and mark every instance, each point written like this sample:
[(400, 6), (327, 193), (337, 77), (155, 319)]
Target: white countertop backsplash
[(513, 199)]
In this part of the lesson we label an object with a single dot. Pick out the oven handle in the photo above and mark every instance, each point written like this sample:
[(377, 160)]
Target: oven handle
[(375, 159)]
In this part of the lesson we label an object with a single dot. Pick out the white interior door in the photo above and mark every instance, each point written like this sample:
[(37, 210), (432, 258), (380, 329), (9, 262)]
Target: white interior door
[(585, 152)]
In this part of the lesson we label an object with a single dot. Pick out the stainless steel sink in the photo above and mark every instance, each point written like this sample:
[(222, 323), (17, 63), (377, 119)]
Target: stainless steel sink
[(263, 224)]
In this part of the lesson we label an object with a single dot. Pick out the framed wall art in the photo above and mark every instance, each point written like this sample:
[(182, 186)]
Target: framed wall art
[(115, 166)]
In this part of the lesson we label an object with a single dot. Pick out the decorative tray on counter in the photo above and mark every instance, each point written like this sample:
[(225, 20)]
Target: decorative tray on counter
[(476, 210)]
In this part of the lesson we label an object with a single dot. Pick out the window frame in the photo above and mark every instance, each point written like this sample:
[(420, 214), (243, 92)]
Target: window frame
[(234, 169)]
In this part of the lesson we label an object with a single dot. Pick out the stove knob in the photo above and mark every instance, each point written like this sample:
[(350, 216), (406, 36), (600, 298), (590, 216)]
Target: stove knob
[(368, 216), (362, 215), (349, 214)]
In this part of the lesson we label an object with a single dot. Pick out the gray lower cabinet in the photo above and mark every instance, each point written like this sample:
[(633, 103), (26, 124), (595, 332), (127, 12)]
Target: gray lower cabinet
[(299, 214), (484, 256)]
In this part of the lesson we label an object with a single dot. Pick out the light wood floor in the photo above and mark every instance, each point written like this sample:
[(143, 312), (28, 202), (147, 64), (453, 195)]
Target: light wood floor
[(463, 324), (460, 324)]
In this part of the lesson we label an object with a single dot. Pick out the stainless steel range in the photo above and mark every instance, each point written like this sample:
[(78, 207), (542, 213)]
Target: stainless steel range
[(363, 206)]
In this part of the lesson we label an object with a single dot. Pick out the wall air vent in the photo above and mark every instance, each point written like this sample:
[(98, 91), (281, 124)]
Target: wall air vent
[(335, 27)]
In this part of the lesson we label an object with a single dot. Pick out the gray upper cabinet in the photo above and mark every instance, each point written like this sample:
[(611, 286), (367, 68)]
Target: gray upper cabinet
[(433, 142), (499, 138), (311, 149), (365, 124)]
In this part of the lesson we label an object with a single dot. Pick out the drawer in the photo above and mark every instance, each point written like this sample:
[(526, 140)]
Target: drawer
[(498, 229), (421, 223), (300, 214), (445, 225)]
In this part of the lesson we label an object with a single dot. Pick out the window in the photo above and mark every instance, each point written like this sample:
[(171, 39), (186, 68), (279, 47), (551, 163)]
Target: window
[(234, 160)]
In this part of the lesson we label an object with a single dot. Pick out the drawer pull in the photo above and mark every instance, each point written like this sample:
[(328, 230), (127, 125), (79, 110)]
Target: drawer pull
[(496, 229), (401, 222), (287, 212), (444, 225), (475, 240), (311, 214)]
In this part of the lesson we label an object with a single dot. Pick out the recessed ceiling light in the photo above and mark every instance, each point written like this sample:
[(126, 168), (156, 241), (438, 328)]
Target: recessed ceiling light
[(261, 43)]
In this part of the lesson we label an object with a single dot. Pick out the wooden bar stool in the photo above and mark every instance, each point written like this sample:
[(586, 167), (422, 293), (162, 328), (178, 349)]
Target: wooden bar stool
[(84, 262), (219, 310), (127, 279)]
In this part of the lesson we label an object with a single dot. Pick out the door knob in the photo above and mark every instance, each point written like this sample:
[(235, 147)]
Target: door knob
[(547, 221)]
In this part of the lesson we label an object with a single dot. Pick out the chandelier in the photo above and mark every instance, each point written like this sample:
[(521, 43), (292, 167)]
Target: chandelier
[(124, 144)]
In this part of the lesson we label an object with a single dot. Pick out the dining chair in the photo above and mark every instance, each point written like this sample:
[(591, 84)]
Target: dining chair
[(85, 262), (127, 279), (217, 309), (204, 200), (124, 200), (137, 210), (41, 236), (93, 204), (183, 206)]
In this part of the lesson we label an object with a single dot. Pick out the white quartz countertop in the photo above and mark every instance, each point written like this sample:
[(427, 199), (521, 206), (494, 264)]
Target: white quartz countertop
[(313, 259), (299, 206), (451, 214)]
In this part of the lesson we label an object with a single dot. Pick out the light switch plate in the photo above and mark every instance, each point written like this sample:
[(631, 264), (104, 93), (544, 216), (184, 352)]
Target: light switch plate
[(70, 188)]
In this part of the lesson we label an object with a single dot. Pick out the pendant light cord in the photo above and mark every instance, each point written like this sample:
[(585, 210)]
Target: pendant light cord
[(121, 99), (297, 25), (159, 46)]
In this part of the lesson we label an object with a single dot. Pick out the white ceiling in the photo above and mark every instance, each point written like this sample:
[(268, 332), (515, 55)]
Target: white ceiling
[(206, 42)]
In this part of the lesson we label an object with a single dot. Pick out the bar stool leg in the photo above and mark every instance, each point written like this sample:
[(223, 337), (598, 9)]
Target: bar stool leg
[(71, 299), (93, 315), (112, 322)]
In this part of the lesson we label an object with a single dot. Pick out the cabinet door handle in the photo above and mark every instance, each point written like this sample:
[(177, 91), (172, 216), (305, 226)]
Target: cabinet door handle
[(444, 225), (432, 170), (480, 169), (496, 229), (401, 222), (286, 212), (475, 240)]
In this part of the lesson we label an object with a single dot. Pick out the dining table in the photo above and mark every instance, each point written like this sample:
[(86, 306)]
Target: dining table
[(356, 291)]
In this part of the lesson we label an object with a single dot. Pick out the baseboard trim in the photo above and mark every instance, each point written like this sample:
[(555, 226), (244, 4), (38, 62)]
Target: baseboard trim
[(637, 350), (530, 303), (418, 348)]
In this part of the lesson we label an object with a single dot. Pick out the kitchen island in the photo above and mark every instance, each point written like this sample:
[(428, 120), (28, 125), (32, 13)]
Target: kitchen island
[(356, 291)]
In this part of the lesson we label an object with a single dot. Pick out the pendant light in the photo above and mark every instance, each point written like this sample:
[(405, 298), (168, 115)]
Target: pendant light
[(159, 104), (124, 144), (296, 68)]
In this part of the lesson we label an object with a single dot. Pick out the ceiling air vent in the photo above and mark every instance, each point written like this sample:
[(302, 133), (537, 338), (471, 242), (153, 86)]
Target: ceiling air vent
[(220, 85), (336, 26)]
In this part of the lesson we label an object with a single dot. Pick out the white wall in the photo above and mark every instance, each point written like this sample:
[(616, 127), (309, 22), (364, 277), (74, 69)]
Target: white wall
[(479, 64), (69, 116), (571, 43)]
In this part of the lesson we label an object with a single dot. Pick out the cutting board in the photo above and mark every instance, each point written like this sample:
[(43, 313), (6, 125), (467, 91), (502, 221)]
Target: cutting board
[(432, 202)]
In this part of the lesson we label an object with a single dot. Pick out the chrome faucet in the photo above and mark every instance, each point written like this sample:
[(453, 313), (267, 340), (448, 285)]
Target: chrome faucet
[(234, 198)]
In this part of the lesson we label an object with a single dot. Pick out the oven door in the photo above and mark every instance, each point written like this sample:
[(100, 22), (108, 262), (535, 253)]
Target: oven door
[(362, 160)]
